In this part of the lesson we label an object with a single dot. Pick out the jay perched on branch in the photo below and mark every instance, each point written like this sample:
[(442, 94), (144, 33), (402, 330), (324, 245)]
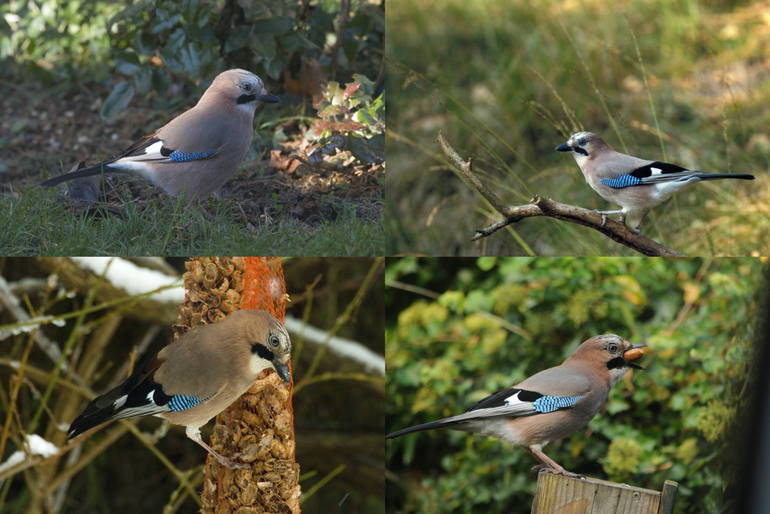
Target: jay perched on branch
[(634, 184), (199, 150), (549, 405)]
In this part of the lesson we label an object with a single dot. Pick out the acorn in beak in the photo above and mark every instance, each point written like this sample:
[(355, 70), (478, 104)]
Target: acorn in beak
[(634, 353)]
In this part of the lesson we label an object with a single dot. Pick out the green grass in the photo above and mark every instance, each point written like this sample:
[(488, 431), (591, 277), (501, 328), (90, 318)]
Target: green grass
[(37, 223), (507, 82)]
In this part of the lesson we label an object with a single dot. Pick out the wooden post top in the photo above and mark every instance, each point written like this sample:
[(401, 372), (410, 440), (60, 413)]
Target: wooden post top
[(558, 494)]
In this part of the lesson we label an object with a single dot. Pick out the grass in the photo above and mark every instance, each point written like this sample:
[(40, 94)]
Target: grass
[(507, 82), (34, 222)]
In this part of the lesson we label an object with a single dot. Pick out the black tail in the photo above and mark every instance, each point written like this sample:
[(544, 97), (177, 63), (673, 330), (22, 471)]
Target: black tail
[(85, 172), (433, 425), (716, 176), (102, 409), (94, 415)]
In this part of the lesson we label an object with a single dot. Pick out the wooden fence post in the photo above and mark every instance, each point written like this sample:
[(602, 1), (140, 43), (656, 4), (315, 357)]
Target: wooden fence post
[(558, 494)]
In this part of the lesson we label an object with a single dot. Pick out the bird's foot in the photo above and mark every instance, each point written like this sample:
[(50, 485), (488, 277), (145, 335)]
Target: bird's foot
[(556, 471), (228, 462), (566, 473), (536, 469), (604, 220), (231, 463)]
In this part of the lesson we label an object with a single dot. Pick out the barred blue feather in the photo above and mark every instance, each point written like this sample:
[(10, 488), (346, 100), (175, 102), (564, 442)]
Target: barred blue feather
[(181, 402), (623, 181), (552, 403), (178, 156)]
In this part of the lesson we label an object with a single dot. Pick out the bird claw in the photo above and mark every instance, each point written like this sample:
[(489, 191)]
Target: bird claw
[(536, 469), (548, 469), (562, 472), (570, 474), (230, 462), (604, 220)]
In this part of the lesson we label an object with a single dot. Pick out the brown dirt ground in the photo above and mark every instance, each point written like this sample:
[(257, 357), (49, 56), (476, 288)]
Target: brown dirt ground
[(40, 133)]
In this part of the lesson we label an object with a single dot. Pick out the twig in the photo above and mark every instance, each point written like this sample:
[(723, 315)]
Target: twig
[(344, 11), (538, 206)]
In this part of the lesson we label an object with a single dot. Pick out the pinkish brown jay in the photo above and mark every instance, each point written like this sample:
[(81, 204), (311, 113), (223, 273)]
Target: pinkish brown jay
[(199, 150), (549, 405), (197, 376), (633, 183)]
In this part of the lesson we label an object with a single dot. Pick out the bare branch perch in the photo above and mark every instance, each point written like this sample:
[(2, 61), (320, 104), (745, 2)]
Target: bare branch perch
[(539, 206)]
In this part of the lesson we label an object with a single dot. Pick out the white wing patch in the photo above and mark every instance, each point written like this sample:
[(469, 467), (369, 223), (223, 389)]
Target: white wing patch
[(119, 402), (514, 400), (154, 149)]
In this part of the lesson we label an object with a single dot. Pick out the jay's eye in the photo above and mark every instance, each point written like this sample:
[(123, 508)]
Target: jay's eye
[(246, 87), (613, 347), (274, 341), (582, 141)]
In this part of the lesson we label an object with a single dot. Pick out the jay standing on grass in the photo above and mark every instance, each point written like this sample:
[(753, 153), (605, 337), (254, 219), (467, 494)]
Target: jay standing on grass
[(197, 376), (549, 405), (634, 184), (198, 151)]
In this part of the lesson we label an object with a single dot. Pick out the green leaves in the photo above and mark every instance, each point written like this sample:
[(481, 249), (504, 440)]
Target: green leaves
[(353, 113), (127, 63), (118, 100), (667, 422)]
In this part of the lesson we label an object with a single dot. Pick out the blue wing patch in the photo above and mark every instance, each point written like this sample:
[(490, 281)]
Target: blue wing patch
[(181, 402), (178, 156), (552, 403), (622, 181)]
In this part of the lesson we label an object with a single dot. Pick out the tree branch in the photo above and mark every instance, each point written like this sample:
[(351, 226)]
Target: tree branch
[(538, 206)]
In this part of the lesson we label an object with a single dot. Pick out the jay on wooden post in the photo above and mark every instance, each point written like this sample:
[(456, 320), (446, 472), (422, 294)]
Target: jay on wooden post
[(199, 150), (634, 184), (197, 376), (549, 405)]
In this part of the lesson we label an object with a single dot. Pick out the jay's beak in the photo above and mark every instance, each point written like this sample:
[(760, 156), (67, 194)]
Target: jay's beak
[(564, 148), (634, 352), (283, 371), (269, 99)]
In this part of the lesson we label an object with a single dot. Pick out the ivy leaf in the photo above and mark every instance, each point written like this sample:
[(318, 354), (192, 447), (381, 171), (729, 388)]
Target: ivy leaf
[(143, 79), (191, 59), (127, 63), (118, 100)]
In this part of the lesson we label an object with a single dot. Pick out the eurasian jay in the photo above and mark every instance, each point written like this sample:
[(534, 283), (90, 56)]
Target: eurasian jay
[(549, 405), (199, 150), (197, 376), (634, 184)]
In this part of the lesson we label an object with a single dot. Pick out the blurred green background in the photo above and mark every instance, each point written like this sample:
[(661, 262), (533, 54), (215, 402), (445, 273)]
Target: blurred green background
[(508, 81), (457, 330)]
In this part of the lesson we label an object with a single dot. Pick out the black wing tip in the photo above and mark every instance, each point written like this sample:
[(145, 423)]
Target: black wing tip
[(77, 427), (91, 417)]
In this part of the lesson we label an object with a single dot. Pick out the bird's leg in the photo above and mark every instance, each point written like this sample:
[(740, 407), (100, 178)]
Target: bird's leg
[(227, 462), (550, 466), (636, 228)]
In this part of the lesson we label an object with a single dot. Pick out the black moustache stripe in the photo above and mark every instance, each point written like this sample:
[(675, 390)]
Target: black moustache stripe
[(244, 99)]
